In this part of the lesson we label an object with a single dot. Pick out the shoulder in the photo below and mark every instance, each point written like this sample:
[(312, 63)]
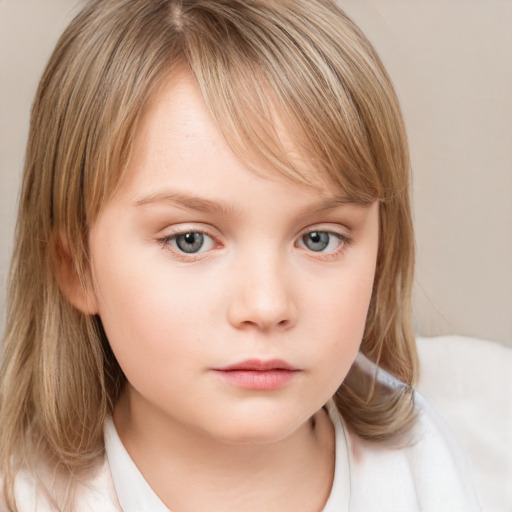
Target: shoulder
[(470, 381), (40, 491), (424, 470), (437, 462)]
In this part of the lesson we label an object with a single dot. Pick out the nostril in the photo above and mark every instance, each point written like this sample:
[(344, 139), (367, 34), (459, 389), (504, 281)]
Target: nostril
[(262, 302), (263, 323)]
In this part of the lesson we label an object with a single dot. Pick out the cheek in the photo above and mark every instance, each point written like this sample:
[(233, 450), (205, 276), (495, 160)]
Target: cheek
[(344, 301), (156, 339), (148, 314), (339, 319)]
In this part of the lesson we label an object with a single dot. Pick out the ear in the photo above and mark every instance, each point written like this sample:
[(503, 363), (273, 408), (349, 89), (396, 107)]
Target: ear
[(80, 292)]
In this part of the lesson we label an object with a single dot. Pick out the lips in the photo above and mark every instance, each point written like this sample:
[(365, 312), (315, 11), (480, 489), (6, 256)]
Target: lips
[(258, 365), (259, 375)]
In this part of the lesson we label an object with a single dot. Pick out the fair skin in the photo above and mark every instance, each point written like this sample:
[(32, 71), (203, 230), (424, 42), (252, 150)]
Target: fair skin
[(199, 265)]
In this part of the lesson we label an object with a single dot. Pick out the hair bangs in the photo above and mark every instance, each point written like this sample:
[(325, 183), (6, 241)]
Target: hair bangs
[(278, 97)]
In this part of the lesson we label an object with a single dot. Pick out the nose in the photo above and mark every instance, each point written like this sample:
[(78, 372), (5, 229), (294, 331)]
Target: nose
[(262, 296)]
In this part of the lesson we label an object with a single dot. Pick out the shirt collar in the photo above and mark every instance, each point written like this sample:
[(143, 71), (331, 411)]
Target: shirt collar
[(136, 495), (133, 492), (339, 499)]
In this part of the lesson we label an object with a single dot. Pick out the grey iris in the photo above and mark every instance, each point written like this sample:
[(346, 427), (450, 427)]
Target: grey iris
[(190, 242), (316, 240)]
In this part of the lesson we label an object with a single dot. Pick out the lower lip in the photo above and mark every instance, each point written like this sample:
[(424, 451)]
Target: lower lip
[(265, 380)]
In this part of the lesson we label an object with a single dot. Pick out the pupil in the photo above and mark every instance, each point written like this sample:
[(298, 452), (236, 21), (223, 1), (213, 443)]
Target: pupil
[(190, 242), (316, 241)]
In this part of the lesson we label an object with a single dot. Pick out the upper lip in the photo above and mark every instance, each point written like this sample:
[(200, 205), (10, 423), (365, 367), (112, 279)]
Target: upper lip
[(259, 365)]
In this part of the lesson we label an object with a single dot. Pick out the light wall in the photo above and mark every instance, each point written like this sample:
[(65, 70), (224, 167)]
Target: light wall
[(451, 63)]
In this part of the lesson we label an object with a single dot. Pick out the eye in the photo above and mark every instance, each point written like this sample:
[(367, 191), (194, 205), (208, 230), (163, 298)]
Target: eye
[(321, 241), (191, 242)]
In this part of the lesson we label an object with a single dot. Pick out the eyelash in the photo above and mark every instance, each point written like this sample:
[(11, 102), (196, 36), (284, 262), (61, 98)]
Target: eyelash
[(167, 241), (343, 242)]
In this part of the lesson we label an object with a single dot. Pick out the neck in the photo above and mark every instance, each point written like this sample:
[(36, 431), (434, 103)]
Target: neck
[(207, 473)]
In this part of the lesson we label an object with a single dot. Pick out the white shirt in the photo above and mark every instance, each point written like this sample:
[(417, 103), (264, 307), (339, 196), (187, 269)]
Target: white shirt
[(429, 474), (136, 495), (425, 476)]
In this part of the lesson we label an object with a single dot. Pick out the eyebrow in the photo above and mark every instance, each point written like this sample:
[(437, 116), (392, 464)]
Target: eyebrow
[(186, 201), (201, 204), (332, 203)]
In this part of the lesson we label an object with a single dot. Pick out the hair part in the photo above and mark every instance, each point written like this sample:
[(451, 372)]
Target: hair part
[(259, 64)]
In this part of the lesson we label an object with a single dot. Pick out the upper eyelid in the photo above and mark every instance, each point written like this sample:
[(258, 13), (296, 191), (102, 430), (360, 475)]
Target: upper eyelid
[(342, 231), (172, 236), (172, 231)]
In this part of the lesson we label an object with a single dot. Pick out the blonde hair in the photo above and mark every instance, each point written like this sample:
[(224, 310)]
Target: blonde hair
[(258, 63)]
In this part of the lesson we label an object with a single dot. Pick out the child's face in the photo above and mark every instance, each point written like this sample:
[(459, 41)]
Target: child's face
[(200, 265)]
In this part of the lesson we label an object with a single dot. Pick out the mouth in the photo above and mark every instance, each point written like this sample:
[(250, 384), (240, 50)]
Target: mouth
[(258, 375)]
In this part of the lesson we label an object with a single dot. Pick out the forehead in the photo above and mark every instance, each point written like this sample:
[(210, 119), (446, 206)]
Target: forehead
[(177, 133)]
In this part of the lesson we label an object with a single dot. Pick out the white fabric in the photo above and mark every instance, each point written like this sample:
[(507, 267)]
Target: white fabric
[(339, 499), (470, 382), (133, 492), (136, 495), (427, 475)]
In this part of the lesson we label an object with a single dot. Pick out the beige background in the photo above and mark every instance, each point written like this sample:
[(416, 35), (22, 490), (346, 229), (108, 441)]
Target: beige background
[(451, 63)]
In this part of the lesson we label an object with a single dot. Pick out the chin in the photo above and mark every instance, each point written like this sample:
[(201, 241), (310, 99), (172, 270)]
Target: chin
[(261, 430)]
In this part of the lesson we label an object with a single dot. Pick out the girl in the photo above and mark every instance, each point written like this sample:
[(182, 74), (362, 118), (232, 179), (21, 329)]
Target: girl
[(210, 291)]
